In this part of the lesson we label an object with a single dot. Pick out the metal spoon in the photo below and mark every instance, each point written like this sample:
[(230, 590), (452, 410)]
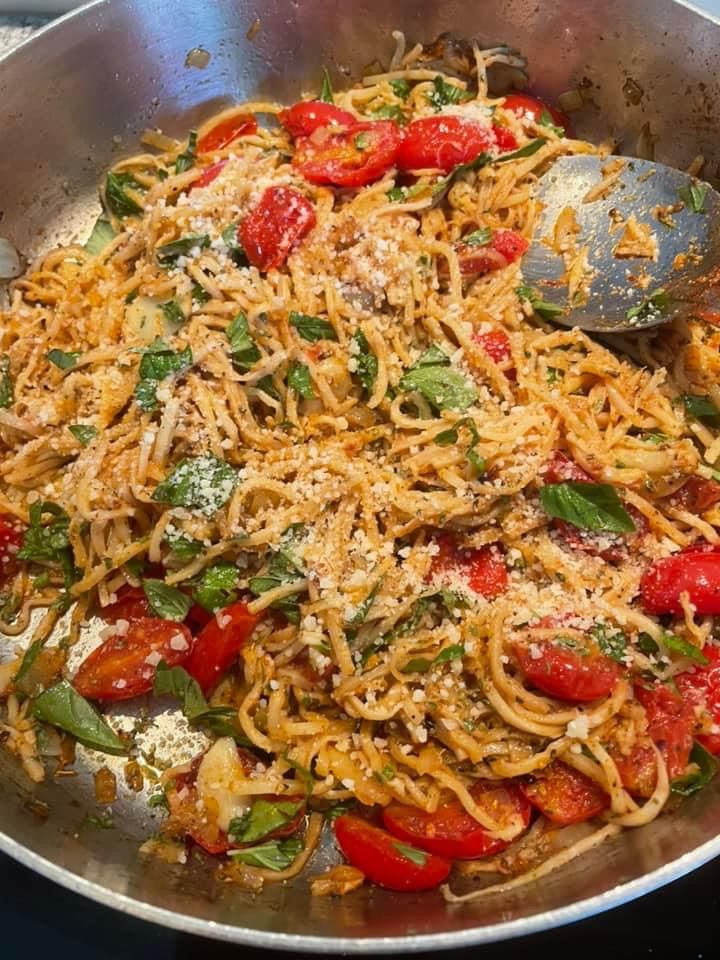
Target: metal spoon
[(635, 293)]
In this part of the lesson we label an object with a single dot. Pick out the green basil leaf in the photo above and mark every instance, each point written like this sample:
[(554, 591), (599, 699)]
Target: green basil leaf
[(186, 160), (478, 238), (444, 389), (612, 642), (442, 186), (267, 386), (417, 665), (299, 380), (101, 237), (245, 353), (433, 357), (401, 194), (545, 120), (454, 652), (29, 658), (693, 196), (184, 547), (283, 567), (589, 506), (312, 329), (695, 780), (117, 200), (205, 483), (390, 111), (444, 94), (401, 88), (172, 311), (158, 800), (199, 294), (527, 151), (264, 817), (177, 682), (146, 395), (387, 773), (686, 649), (273, 855), (646, 644), (339, 810), (361, 614), (326, 91), (84, 433), (49, 544), (235, 250), (169, 603), (61, 706), (61, 359), (7, 390), (160, 361), (366, 364), (169, 252), (218, 586), (543, 308), (702, 408), (418, 857), (656, 305)]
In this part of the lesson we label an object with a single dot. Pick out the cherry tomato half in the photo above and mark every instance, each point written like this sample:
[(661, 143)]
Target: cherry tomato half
[(123, 667), (348, 157), (304, 118), (522, 104), (209, 174), (696, 573), (670, 724), (483, 570), (561, 469), (637, 769), (223, 133), (443, 142), (451, 831), (131, 604), (504, 248), (697, 494), (382, 859), (218, 644), (271, 231), (578, 676), (701, 688), (11, 538), (495, 343), (565, 795)]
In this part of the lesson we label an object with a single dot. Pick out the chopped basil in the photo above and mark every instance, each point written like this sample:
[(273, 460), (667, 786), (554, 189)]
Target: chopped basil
[(444, 389), (646, 644), (418, 857), (390, 111), (29, 658), (449, 437), (387, 773), (693, 196), (478, 238), (205, 483), (102, 235), (177, 682), (264, 817), (326, 91), (401, 88), (686, 649), (702, 408), (167, 602), (656, 438), (218, 586), (366, 362), (84, 433), (117, 199), (401, 194), (183, 547), (49, 544), (656, 305), (245, 353), (199, 294), (7, 390), (172, 311), (299, 380), (273, 855), (267, 386), (444, 94), (442, 186), (362, 141), (158, 800), (61, 706), (589, 506), (339, 810), (695, 780), (169, 252), (545, 120), (235, 250), (455, 651), (361, 614), (312, 329), (542, 307), (612, 642), (159, 361), (283, 567), (527, 151), (61, 359), (187, 158)]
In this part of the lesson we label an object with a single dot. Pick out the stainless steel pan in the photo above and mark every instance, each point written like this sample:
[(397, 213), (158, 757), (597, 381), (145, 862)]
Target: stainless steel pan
[(75, 97)]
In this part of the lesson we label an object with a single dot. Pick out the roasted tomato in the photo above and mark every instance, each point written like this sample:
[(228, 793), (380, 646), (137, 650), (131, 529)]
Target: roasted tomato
[(671, 720), (218, 644), (348, 156), (11, 538), (701, 689), (495, 343), (524, 105), (561, 469), (483, 570), (696, 573), (443, 142), (566, 667), (210, 173), (130, 604), (271, 231), (451, 832), (697, 494), (307, 116), (504, 248), (123, 666), (387, 861), (565, 795), (227, 130), (637, 769)]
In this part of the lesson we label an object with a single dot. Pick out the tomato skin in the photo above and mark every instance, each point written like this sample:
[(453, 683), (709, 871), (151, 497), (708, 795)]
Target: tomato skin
[(670, 724), (702, 688), (697, 494), (443, 142), (332, 156), (638, 770), (561, 469), (118, 668), (505, 247), (564, 795), (223, 133), (374, 851), (451, 832), (11, 538), (567, 674), (209, 174), (131, 604), (271, 230), (523, 103), (217, 647), (495, 343), (696, 573), (307, 116), (483, 569), (198, 617)]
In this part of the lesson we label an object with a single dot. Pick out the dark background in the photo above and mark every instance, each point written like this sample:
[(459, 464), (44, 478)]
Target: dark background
[(41, 920)]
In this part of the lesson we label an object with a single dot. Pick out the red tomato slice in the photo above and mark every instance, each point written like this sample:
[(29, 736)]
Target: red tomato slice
[(218, 644), (561, 469), (638, 770), (694, 573), (124, 666), (565, 795), (348, 157), (271, 231), (209, 174), (578, 676), (701, 688), (11, 538), (504, 248), (443, 142), (670, 724), (198, 617), (495, 343), (522, 104), (223, 133), (697, 494), (451, 832), (482, 570), (307, 116), (131, 604), (380, 857)]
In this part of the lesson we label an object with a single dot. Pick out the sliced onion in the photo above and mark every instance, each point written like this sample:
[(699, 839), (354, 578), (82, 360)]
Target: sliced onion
[(10, 262)]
